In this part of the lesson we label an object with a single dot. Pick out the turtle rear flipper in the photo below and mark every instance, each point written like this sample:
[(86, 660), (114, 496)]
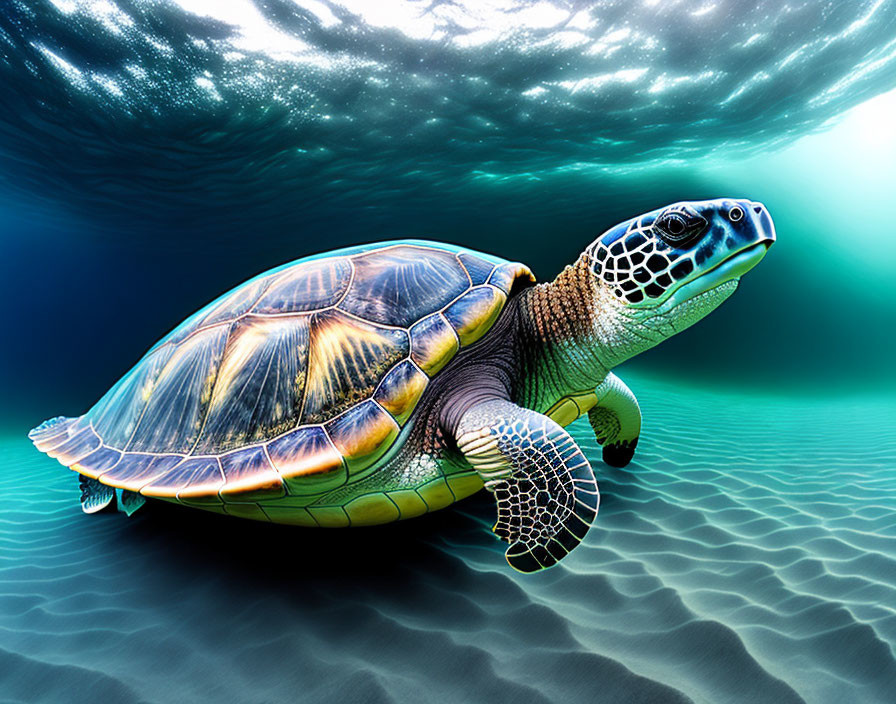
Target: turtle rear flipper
[(129, 501), (95, 496), (546, 492)]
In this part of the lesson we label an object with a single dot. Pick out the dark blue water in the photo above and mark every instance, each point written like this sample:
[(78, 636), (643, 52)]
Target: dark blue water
[(153, 155)]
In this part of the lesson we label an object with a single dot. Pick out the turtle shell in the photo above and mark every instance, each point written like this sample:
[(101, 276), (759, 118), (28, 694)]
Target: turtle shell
[(293, 383)]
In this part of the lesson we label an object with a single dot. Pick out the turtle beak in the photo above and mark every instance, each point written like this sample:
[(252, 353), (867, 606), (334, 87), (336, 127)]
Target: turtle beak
[(765, 228)]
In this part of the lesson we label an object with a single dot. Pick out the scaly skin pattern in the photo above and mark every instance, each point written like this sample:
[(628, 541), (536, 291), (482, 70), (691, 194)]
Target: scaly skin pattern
[(546, 492)]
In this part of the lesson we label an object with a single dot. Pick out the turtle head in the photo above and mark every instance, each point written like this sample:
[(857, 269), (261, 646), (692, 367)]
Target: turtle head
[(665, 270)]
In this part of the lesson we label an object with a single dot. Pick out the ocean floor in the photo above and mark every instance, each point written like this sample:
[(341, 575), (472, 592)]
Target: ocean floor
[(748, 554)]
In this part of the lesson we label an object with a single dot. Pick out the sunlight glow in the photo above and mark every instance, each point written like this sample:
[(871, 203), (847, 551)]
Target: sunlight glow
[(255, 33)]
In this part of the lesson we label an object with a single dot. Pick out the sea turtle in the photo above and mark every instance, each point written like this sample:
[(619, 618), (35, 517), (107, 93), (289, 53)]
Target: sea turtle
[(384, 381)]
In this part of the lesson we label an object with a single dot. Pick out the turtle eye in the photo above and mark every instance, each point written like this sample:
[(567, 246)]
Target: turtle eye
[(675, 225), (676, 228)]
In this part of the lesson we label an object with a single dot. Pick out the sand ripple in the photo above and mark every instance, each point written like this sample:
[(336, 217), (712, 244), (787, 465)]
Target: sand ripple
[(747, 555)]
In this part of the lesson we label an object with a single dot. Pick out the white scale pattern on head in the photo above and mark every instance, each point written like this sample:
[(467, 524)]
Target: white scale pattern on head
[(622, 329), (623, 264)]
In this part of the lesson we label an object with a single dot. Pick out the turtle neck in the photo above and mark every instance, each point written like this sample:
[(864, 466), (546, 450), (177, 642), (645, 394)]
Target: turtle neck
[(559, 346)]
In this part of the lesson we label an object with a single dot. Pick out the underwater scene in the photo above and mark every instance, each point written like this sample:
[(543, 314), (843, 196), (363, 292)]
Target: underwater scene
[(156, 154)]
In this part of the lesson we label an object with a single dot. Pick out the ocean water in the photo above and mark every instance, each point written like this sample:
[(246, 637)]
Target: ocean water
[(748, 554), (154, 154)]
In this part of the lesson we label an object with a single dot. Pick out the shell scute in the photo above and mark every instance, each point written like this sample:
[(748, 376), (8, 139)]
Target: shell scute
[(248, 476), (308, 287), (97, 462), (433, 343), (478, 268), (52, 433), (228, 308), (246, 510), (260, 384), (464, 485), (506, 275), (372, 509), (307, 460), (362, 434), (290, 516), (346, 361), (329, 516), (399, 285), (178, 398), (83, 442), (473, 314), (136, 469), (199, 477), (437, 494), (400, 390), (409, 502), (116, 414)]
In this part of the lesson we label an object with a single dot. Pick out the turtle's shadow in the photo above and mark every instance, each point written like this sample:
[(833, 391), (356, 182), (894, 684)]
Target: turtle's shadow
[(280, 556)]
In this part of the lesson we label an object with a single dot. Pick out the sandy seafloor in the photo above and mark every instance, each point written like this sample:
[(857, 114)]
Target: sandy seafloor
[(747, 555)]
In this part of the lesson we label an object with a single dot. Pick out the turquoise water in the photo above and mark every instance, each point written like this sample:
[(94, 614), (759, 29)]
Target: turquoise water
[(747, 555), (154, 155)]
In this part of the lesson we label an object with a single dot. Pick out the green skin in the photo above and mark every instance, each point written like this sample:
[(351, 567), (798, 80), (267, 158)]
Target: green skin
[(483, 418)]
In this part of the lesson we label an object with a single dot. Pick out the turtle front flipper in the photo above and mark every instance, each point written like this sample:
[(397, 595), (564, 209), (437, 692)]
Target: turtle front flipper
[(616, 420), (546, 492)]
